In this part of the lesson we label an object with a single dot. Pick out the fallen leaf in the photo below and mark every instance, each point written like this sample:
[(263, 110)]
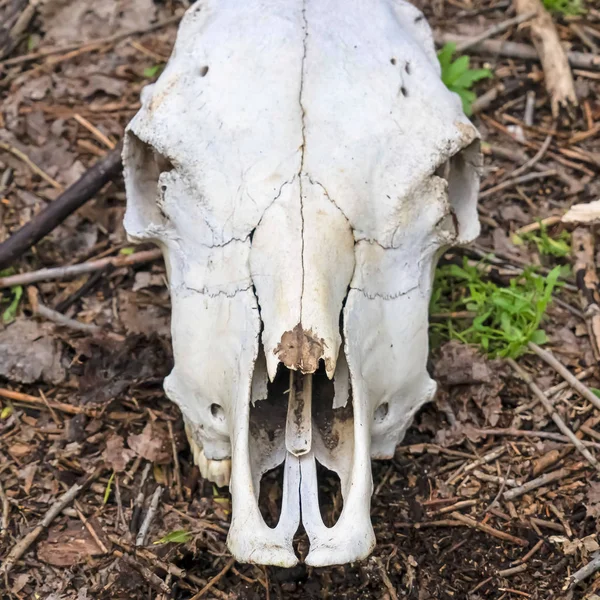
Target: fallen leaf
[(20, 582), (593, 500), (149, 444), (116, 455), (30, 353), (460, 364), (19, 450), (588, 212), (68, 546)]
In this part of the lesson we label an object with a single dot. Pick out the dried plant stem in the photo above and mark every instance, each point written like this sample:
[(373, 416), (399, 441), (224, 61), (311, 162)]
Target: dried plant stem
[(579, 60), (60, 406), (154, 580), (577, 385), (536, 483), (495, 30), (30, 164), (501, 535), (547, 404), (558, 77), (143, 533), (61, 503), (214, 580), (74, 270)]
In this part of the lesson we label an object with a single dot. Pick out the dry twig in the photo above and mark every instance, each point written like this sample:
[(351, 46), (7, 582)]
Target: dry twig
[(547, 404), (501, 535), (140, 540), (558, 77)]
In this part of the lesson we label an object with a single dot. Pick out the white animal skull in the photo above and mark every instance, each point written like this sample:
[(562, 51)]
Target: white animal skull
[(302, 166)]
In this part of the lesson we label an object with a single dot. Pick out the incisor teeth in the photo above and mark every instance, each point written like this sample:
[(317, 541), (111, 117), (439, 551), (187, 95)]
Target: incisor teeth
[(217, 471)]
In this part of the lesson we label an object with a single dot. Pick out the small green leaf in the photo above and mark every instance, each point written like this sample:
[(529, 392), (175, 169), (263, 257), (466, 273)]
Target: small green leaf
[(6, 412), (108, 488), (595, 391), (539, 337), (151, 72), (126, 251), (571, 8), (10, 314), (179, 536)]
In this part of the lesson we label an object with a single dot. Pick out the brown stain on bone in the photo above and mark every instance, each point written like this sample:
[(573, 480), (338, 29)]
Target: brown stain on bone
[(300, 350)]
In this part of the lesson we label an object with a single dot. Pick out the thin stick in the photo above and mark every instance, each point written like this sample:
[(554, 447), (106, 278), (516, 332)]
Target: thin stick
[(494, 30), (74, 270), (61, 503), (140, 540), (577, 385), (154, 580), (88, 46), (92, 181), (512, 571), (539, 544), (214, 580), (501, 535), (584, 572), (5, 510), (579, 60), (386, 580), (139, 499), (63, 321), (536, 483), (543, 435), (553, 414), (60, 406), (175, 462), (90, 528), (517, 181), (32, 166), (94, 131), (536, 158)]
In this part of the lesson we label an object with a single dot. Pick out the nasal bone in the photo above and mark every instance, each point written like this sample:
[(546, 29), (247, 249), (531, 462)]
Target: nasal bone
[(298, 426)]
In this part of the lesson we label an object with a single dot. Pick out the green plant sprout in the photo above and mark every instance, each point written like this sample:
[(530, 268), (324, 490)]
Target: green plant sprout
[(504, 319), (154, 71), (179, 536), (9, 314), (559, 246), (571, 8), (459, 77)]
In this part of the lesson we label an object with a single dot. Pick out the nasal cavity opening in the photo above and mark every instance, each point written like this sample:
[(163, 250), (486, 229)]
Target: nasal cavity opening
[(143, 167), (331, 501), (216, 410), (381, 412), (270, 498), (461, 173)]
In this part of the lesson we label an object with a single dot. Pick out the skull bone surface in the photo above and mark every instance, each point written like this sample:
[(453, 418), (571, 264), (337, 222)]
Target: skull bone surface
[(302, 166)]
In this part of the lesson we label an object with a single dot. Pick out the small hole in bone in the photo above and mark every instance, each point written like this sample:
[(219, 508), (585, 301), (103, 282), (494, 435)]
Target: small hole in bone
[(407, 67), (393, 61), (271, 495), (216, 410), (203, 71), (381, 412), (403, 91), (330, 495)]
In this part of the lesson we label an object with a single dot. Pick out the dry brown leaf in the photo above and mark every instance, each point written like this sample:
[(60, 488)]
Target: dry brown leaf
[(68, 547), (149, 444), (593, 500), (116, 455)]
